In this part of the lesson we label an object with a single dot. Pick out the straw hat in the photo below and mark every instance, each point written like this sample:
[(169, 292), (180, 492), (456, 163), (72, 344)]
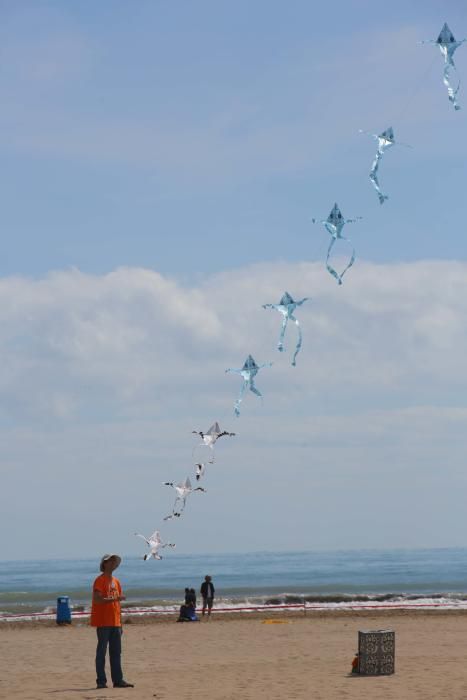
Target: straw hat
[(106, 557)]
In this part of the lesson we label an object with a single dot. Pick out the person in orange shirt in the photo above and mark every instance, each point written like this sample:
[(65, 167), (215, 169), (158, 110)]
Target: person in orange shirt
[(106, 618)]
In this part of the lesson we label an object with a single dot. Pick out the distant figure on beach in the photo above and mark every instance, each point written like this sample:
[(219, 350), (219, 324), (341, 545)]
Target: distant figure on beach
[(106, 618), (190, 597), (207, 592), (355, 663), (188, 609), (188, 613)]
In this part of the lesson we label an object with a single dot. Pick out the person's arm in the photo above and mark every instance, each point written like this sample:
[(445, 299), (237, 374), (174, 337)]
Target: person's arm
[(99, 597), (120, 593)]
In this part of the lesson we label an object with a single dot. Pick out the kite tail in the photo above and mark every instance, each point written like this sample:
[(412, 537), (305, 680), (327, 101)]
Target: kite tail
[(452, 93), (240, 399), (374, 178), (280, 344), (255, 390), (333, 272), (299, 342), (329, 268), (338, 276)]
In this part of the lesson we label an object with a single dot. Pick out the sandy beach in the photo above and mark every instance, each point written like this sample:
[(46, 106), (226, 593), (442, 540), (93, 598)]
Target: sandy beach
[(241, 658)]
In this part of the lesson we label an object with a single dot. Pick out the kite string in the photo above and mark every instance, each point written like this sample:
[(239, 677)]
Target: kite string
[(414, 93)]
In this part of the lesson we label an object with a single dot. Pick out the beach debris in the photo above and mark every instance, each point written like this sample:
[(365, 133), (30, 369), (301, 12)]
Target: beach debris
[(210, 438), (334, 225), (385, 141), (183, 490), (448, 45), (154, 543), (275, 622), (249, 371), (286, 307)]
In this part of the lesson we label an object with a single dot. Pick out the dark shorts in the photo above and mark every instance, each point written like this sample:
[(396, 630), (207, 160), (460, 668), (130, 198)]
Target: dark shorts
[(207, 602)]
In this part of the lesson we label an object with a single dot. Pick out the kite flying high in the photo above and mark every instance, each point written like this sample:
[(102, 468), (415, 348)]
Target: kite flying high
[(211, 437), (286, 307), (334, 225), (249, 371), (448, 45), (154, 543), (385, 141), (183, 490)]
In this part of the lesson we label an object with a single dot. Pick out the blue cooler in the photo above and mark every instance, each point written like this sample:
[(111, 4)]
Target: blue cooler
[(63, 610)]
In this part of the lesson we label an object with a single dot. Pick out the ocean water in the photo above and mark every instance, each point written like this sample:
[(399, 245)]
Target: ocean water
[(325, 579)]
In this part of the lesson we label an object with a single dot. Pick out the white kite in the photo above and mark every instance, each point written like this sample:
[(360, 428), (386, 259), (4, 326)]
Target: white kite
[(154, 543), (249, 371), (286, 307), (448, 45), (200, 469), (334, 225), (183, 490), (210, 438), (385, 141)]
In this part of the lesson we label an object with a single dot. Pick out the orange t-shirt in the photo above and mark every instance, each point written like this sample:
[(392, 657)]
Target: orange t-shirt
[(106, 614)]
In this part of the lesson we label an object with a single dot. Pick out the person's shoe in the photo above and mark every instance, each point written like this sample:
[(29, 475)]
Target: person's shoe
[(123, 684), (101, 685)]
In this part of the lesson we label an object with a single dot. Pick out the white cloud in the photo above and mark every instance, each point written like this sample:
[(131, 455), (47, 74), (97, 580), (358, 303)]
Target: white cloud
[(104, 377), (390, 328)]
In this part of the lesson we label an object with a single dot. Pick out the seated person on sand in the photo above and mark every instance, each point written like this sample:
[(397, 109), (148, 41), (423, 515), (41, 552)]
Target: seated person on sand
[(188, 613)]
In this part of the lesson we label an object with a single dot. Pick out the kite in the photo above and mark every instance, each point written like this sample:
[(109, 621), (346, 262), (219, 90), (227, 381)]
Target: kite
[(211, 437), (286, 307), (448, 45), (334, 225), (183, 490), (200, 469), (249, 371), (154, 543), (385, 141)]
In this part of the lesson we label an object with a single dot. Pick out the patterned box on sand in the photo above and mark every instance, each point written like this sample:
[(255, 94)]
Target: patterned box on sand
[(376, 651)]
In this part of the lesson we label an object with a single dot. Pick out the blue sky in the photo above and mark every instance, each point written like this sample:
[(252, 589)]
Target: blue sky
[(149, 134), (162, 163)]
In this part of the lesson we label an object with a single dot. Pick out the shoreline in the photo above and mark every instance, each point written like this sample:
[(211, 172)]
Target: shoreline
[(169, 617), (306, 603)]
